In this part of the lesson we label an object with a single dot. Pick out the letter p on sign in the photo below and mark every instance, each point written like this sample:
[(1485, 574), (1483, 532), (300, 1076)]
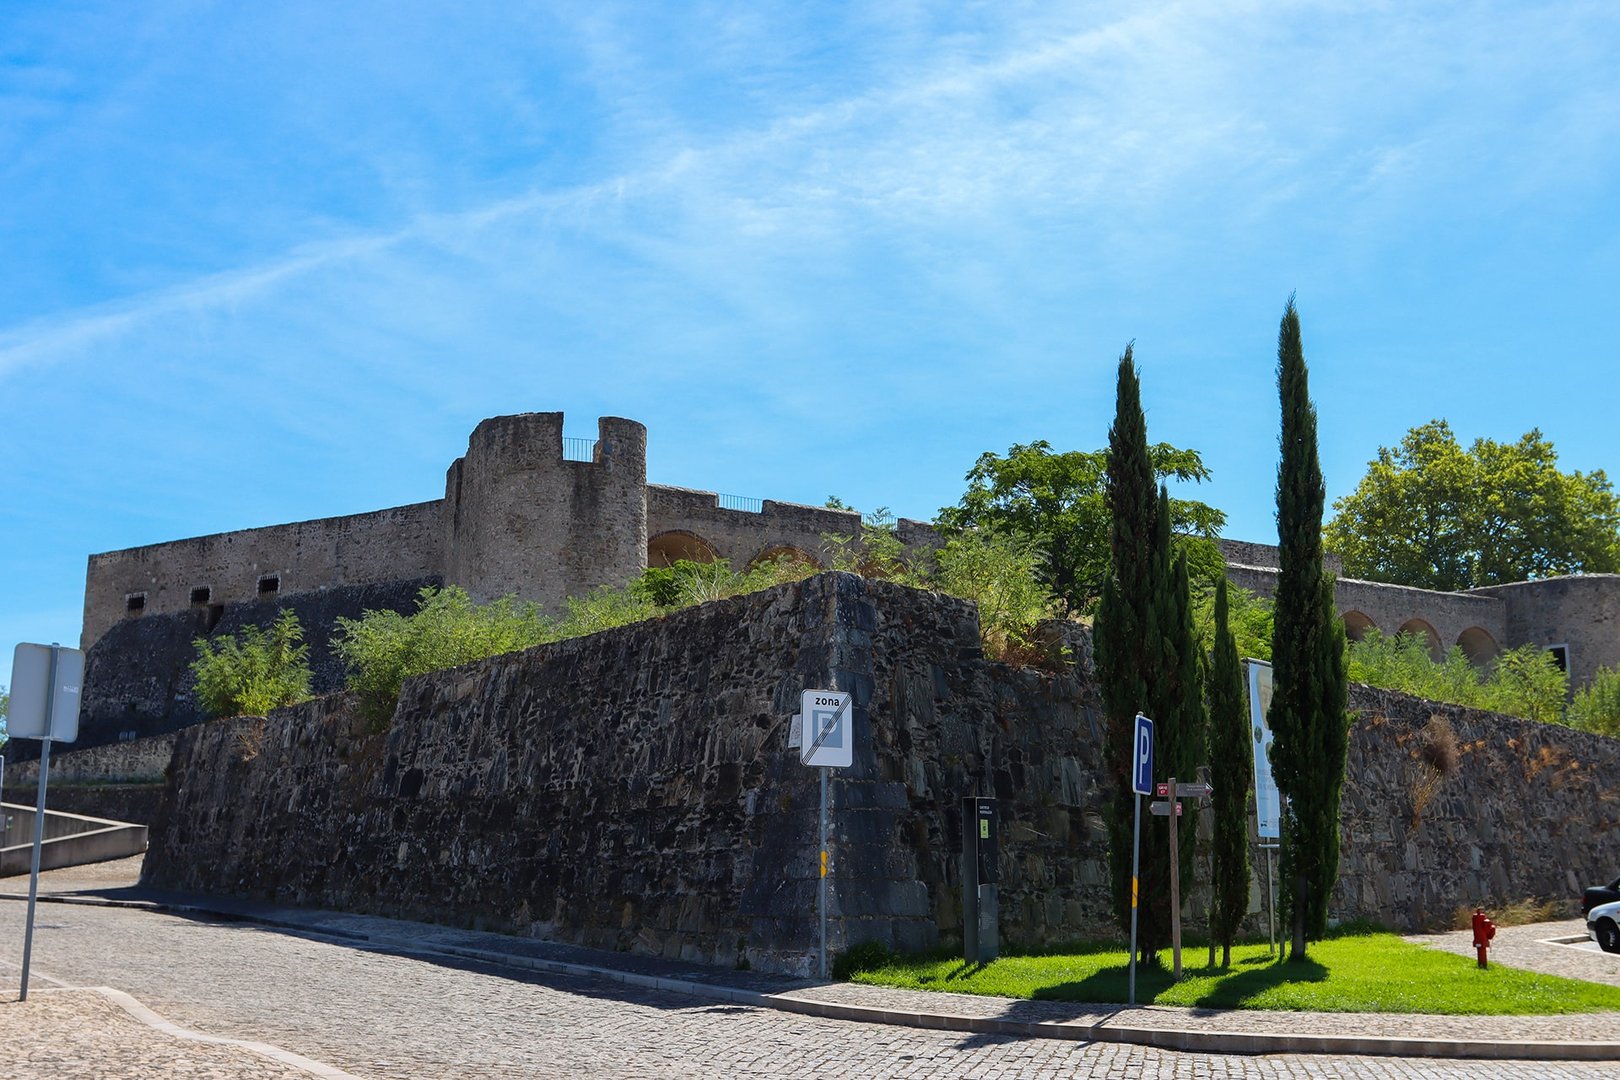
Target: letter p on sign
[(1142, 757)]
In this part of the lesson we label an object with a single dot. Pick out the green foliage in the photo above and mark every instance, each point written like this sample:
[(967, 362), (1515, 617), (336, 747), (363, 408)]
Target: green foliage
[(253, 672), (1231, 774), (1058, 501), (1000, 574), (1597, 705), (1307, 716), (1524, 682), (384, 648), (1527, 682), (1147, 659), (1352, 973), (1249, 616), (1430, 514), (876, 552), (865, 956)]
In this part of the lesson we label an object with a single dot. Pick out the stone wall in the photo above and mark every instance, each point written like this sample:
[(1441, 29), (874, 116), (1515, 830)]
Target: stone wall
[(1528, 810), (1581, 613), (137, 680), (387, 545), (634, 790)]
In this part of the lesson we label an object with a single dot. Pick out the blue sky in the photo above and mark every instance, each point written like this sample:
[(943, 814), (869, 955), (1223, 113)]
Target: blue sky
[(274, 262)]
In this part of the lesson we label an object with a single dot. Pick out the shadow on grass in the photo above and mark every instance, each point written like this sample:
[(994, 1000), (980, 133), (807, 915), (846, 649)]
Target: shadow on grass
[(1236, 990), (1234, 987)]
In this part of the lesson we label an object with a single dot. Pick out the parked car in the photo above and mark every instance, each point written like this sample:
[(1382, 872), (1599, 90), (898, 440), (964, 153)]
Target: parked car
[(1603, 923), (1600, 894)]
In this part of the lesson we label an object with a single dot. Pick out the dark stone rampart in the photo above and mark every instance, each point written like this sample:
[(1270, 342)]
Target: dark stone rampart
[(634, 790), (138, 674)]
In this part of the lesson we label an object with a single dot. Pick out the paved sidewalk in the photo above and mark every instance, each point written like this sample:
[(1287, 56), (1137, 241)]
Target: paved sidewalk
[(1545, 1038)]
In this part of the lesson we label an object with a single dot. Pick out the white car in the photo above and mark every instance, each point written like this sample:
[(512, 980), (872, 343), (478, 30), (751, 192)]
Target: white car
[(1603, 923)]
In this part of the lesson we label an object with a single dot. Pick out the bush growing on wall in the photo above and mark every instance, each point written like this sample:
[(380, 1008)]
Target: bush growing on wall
[(1597, 705), (1523, 682), (1001, 574), (253, 672), (383, 648)]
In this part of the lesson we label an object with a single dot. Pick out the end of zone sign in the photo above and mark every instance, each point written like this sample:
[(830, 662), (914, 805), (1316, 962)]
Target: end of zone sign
[(824, 737), (1142, 757)]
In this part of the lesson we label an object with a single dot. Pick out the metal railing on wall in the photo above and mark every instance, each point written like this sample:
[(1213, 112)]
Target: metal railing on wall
[(579, 449), (741, 502)]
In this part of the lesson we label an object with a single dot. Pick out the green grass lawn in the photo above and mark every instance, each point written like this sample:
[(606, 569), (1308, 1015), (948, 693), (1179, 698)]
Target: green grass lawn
[(1373, 972)]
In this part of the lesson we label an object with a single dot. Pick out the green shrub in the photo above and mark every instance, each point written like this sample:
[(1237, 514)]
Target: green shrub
[(1001, 574), (1597, 706), (383, 648), (1250, 618), (1523, 682), (253, 672), (1527, 682)]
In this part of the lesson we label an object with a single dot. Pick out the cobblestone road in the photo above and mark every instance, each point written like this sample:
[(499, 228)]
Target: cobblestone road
[(386, 1016)]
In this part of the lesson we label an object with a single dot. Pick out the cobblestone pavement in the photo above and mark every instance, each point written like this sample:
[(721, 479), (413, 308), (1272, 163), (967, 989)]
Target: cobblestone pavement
[(382, 1015), (75, 1033)]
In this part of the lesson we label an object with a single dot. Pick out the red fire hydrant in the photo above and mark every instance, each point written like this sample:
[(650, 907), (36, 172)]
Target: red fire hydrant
[(1484, 930)]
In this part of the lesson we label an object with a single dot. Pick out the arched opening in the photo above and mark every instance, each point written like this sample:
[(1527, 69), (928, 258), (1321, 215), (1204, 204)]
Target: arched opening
[(1418, 628), (1356, 625), (668, 548), (1478, 645), (784, 551)]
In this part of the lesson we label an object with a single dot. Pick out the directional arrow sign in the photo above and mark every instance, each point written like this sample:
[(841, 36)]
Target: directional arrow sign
[(1162, 808), (1193, 791)]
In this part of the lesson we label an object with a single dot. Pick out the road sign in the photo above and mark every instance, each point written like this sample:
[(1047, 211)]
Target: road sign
[(39, 710), (1162, 809), (1183, 791), (1142, 771), (825, 738)]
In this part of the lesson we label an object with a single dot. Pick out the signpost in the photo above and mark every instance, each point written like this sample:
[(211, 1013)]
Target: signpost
[(825, 742), (1141, 784), (45, 683), (1267, 801)]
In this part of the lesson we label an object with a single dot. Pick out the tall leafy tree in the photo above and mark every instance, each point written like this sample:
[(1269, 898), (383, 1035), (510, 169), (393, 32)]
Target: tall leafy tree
[(1231, 774), (1058, 501), (1431, 514), (1146, 659), (1309, 692)]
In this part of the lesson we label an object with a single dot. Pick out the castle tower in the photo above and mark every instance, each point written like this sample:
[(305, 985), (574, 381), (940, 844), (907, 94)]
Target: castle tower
[(519, 518)]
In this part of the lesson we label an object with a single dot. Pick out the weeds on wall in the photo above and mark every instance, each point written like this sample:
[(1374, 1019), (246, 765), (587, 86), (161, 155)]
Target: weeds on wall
[(1435, 758), (250, 673), (1523, 682), (1596, 706)]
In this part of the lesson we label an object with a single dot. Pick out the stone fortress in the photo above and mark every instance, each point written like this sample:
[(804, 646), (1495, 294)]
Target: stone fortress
[(529, 512)]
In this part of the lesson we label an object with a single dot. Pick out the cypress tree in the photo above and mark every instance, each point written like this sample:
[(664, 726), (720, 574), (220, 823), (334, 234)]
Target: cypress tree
[(1127, 622), (1231, 774), (1181, 698), (1309, 692), (1147, 660)]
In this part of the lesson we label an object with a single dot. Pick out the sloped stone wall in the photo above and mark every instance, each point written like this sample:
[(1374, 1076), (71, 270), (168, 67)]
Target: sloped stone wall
[(634, 790)]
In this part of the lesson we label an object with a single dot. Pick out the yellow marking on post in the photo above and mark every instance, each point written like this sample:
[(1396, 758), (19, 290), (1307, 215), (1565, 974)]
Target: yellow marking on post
[(823, 864), (1133, 892)]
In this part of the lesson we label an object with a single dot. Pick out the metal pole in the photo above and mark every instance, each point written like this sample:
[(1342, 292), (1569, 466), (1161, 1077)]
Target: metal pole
[(1271, 906), (821, 899), (1136, 867), (1175, 881), (39, 819)]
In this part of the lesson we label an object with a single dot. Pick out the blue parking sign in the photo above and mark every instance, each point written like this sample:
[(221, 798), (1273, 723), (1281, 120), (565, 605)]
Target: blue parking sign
[(1142, 757)]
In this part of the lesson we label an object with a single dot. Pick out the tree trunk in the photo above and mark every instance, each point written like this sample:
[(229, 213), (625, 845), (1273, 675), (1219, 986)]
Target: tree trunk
[(1301, 891)]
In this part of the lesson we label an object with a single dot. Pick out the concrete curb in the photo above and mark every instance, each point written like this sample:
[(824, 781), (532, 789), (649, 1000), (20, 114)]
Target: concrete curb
[(1183, 1039)]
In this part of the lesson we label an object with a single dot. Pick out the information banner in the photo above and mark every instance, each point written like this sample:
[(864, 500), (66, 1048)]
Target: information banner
[(1267, 803)]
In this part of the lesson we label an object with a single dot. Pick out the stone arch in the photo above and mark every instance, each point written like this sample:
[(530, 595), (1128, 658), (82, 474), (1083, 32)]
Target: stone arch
[(776, 551), (1425, 631), (1357, 623), (1478, 645), (673, 545)]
